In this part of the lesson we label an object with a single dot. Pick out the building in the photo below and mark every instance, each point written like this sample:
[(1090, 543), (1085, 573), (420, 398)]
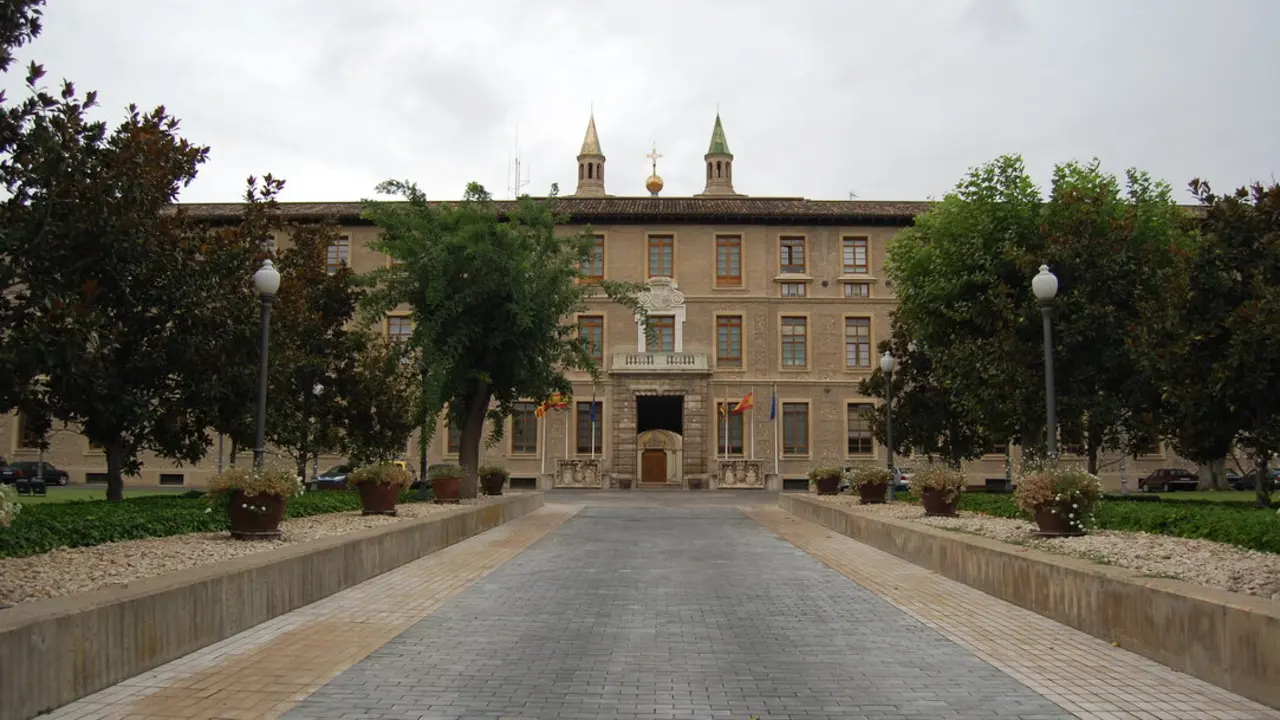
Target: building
[(748, 297)]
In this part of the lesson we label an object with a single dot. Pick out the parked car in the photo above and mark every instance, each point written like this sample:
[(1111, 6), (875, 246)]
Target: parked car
[(30, 470), (335, 478), (1250, 479), (1168, 480)]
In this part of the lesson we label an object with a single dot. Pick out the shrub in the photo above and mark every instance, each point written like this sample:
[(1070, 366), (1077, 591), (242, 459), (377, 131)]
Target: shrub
[(1057, 486), (436, 472), (868, 474), (382, 474), (267, 480), (947, 480), (492, 470), (9, 505), (822, 473)]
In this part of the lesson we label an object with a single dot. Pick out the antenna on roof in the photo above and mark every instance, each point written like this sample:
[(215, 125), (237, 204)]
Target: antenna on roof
[(853, 195), (517, 182)]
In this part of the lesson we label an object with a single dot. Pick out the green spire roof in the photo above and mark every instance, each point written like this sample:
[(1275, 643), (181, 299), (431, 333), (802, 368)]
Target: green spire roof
[(719, 146)]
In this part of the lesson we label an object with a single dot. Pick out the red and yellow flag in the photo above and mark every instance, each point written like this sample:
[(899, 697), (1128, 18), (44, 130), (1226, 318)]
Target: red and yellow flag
[(557, 401), (746, 403)]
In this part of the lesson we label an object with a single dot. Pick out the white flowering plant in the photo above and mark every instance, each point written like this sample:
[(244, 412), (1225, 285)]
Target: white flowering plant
[(867, 474), (1059, 488), (9, 505), (274, 480)]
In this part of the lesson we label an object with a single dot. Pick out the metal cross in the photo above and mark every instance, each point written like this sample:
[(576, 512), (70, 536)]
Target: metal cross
[(654, 157)]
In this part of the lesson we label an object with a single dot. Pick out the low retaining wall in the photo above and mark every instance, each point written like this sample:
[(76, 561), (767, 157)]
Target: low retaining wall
[(1228, 639), (53, 652)]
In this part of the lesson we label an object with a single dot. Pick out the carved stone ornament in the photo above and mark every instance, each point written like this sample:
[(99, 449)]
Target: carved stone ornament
[(741, 474), (579, 474), (662, 294)]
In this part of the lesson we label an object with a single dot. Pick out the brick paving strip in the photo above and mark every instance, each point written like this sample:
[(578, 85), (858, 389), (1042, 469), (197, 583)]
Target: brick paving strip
[(670, 612), (1077, 671), (262, 672)]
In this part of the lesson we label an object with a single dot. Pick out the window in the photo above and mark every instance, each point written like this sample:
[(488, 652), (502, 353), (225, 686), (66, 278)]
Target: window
[(453, 439), (860, 440), (339, 254), (857, 342), (735, 422), (591, 328), (171, 478), (792, 260), (998, 449), (728, 260), (729, 341), (857, 290), (793, 289), (794, 344), (664, 333), (27, 436), (590, 429), (855, 256), (524, 429), (661, 256), (592, 267), (399, 328), (795, 429)]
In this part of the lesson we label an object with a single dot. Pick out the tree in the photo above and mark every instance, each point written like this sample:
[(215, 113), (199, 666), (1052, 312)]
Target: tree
[(312, 343), (378, 411), (1213, 340), (962, 276), (927, 417), (489, 294)]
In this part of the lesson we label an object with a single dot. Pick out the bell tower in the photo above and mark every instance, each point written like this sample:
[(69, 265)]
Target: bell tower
[(591, 164), (719, 163)]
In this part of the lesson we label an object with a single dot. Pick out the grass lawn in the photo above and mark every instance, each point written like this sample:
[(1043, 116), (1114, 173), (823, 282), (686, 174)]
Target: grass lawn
[(1230, 496), (73, 493)]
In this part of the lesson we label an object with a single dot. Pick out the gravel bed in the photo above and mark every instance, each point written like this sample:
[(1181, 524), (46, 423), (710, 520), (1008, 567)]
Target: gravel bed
[(1202, 562), (75, 570)]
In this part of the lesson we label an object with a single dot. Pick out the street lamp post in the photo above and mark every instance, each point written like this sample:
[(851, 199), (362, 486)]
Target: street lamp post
[(267, 282), (1045, 287), (886, 364), (316, 390)]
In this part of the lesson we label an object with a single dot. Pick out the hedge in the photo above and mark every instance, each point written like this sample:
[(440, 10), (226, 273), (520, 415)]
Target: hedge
[(1232, 523), (44, 527)]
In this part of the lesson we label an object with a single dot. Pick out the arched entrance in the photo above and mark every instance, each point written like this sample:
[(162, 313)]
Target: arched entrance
[(660, 457)]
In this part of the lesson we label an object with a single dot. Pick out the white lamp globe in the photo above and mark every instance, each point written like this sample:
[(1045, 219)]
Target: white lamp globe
[(1044, 284), (887, 362), (267, 279)]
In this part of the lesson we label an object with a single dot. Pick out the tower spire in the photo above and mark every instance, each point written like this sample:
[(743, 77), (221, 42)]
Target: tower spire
[(719, 163), (591, 163)]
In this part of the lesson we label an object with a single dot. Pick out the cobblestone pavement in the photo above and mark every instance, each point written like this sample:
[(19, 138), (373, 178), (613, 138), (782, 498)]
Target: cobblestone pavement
[(669, 612)]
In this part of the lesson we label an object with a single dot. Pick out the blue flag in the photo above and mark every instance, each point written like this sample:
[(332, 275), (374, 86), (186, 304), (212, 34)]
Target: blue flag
[(593, 411), (773, 406)]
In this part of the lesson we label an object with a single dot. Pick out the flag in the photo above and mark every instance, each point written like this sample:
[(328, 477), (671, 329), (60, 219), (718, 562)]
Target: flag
[(773, 406), (746, 403), (555, 402), (593, 411)]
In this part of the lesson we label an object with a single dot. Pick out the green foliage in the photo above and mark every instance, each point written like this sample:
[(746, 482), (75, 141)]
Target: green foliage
[(377, 413), (824, 473), (867, 474), (444, 470), (489, 291), (962, 276), (493, 471), (382, 474), (41, 528), (266, 480), (1247, 527)]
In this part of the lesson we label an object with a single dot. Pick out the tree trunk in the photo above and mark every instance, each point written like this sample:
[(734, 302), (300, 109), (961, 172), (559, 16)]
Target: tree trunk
[(115, 464), (302, 465), (235, 451), (1210, 475), (1262, 490), (472, 435), (1092, 451)]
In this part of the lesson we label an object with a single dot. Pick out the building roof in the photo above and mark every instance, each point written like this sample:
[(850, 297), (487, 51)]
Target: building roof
[(746, 210), (591, 143), (719, 144)]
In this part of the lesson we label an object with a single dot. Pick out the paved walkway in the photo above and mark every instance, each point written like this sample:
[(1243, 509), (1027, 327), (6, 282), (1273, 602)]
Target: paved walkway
[(670, 606)]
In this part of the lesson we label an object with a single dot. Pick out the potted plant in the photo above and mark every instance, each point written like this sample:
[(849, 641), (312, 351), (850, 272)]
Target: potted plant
[(827, 479), (1060, 498), (380, 486), (493, 478), (255, 499), (871, 482), (940, 488), (446, 482)]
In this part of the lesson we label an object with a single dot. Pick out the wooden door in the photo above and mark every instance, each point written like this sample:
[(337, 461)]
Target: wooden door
[(653, 466)]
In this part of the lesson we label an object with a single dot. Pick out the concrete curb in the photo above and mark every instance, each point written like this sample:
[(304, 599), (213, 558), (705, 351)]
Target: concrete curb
[(57, 651), (1228, 639)]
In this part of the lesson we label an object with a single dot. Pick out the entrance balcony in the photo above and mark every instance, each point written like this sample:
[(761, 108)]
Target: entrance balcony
[(660, 362)]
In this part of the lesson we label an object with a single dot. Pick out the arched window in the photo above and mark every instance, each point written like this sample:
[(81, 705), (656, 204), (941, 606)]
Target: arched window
[(708, 169), (581, 171), (589, 170), (718, 168)]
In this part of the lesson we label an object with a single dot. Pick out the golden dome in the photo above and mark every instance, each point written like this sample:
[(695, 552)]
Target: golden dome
[(653, 184)]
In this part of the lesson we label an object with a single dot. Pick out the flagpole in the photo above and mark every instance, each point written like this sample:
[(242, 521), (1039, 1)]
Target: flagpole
[(726, 427), (593, 423), (568, 425), (542, 446), (753, 422), (777, 431)]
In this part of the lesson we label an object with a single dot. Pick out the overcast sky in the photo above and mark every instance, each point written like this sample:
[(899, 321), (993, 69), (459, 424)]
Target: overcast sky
[(891, 100)]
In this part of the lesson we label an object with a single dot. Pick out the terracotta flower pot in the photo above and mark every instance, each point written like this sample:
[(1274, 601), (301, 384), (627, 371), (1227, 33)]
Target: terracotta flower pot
[(378, 498), (936, 504), (492, 484), (1055, 521), (872, 493), (829, 485), (447, 489), (260, 523)]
